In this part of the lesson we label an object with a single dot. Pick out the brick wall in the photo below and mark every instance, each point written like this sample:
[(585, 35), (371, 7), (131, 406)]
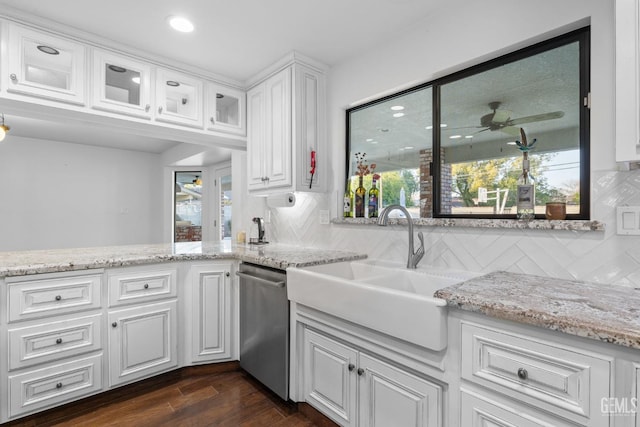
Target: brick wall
[(426, 184), (188, 233)]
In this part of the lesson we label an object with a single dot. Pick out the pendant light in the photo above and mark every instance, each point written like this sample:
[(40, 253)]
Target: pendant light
[(3, 129)]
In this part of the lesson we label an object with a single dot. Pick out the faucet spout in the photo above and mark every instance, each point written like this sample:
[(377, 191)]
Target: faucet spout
[(413, 257)]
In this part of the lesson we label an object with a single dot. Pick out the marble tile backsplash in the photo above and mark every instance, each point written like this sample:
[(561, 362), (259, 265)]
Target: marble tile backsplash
[(602, 257)]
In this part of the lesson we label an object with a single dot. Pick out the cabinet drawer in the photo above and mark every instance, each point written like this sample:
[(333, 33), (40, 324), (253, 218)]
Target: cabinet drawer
[(44, 388), (476, 411), (547, 375), (141, 285), (55, 340), (48, 297)]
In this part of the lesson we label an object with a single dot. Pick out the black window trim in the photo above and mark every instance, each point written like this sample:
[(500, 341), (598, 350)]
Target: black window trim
[(582, 36)]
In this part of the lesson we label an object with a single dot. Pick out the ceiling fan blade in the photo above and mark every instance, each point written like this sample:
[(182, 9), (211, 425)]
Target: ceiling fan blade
[(535, 118), (501, 116), (511, 130)]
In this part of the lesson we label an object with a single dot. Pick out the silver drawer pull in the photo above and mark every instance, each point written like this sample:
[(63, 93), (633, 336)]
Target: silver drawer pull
[(360, 371), (351, 367), (58, 297), (59, 385), (114, 324), (59, 341), (146, 286), (523, 374), (279, 284)]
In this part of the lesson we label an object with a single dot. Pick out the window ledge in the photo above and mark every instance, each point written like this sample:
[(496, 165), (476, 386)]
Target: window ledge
[(536, 224)]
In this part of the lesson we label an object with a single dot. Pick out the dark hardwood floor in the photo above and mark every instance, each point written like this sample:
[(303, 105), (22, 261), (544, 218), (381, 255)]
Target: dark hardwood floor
[(213, 395)]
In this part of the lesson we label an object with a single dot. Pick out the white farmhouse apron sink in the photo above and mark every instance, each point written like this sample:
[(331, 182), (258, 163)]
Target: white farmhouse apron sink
[(384, 297)]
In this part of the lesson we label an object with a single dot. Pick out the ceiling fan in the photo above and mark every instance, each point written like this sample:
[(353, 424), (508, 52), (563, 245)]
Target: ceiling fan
[(501, 120)]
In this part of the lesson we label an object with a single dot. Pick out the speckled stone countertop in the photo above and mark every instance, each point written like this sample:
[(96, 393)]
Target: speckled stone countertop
[(606, 313), (59, 260), (538, 224)]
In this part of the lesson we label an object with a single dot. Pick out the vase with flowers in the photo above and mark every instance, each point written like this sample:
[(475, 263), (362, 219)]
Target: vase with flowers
[(362, 169)]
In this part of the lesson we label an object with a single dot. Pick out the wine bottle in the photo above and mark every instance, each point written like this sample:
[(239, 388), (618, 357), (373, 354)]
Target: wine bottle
[(361, 194), (347, 201), (374, 194), (526, 193)]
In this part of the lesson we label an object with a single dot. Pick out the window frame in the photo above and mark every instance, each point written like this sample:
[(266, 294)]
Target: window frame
[(582, 36)]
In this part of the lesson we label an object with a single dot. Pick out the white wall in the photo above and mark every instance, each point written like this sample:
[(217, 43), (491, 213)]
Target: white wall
[(461, 34), (63, 195)]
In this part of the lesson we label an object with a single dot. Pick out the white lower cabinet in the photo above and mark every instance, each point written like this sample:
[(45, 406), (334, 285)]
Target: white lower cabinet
[(142, 341), (209, 305), (355, 388), (479, 411), (54, 385)]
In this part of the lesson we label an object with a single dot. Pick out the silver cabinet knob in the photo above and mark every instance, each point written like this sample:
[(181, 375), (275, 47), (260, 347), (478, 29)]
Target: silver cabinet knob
[(147, 108), (59, 341), (59, 385), (146, 286), (360, 371), (212, 120), (13, 77), (523, 374), (160, 110), (58, 297), (351, 367), (114, 324), (227, 274)]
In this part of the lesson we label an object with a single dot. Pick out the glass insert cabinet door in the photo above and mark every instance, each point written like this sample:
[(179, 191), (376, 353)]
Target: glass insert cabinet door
[(178, 98), (226, 109), (45, 66), (121, 85)]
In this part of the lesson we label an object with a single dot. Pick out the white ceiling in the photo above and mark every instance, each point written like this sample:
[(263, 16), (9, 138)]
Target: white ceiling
[(238, 38), (235, 39)]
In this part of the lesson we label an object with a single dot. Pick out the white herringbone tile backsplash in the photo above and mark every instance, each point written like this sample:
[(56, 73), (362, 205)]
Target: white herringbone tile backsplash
[(593, 256)]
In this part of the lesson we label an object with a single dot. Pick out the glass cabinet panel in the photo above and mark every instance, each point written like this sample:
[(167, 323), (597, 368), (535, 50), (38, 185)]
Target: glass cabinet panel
[(122, 85), (179, 98), (46, 66), (226, 109)]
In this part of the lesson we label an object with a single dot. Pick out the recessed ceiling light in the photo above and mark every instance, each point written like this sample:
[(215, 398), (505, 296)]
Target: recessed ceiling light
[(443, 125), (455, 136), (398, 114), (136, 80), (397, 108), (369, 139), (374, 142), (428, 127), (468, 136), (181, 24), (408, 147), (511, 143)]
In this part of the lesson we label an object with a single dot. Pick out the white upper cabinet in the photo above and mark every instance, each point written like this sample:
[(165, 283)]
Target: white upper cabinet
[(226, 110), (285, 126), (45, 66), (627, 26), (178, 98), (121, 85)]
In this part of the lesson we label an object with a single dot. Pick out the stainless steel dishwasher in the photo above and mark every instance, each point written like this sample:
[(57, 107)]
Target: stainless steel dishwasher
[(264, 326)]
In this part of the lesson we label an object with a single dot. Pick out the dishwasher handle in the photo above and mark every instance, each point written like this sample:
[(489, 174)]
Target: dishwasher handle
[(279, 284)]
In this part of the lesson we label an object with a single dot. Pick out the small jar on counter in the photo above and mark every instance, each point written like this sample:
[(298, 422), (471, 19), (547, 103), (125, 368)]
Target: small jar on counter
[(556, 211)]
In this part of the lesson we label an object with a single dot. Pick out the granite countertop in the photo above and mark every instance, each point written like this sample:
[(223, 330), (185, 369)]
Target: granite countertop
[(60, 260), (606, 313)]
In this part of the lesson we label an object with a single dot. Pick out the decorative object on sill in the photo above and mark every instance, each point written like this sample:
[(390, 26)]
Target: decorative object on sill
[(374, 194), (526, 194), (347, 201), (4, 129), (362, 169), (556, 211)]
